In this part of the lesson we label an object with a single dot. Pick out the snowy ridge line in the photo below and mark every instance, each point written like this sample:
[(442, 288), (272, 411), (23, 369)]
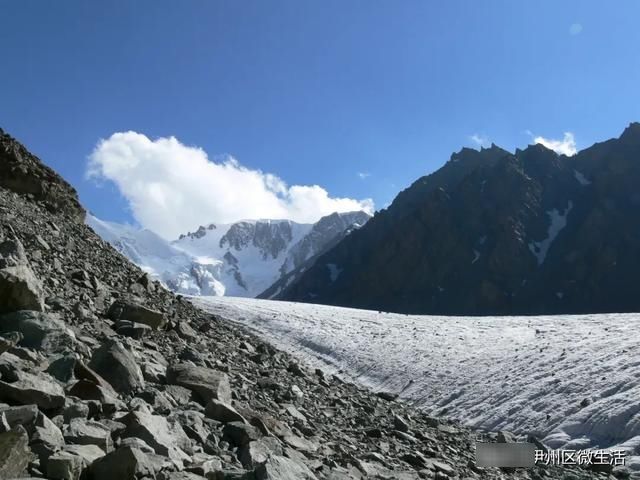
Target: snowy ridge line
[(572, 381)]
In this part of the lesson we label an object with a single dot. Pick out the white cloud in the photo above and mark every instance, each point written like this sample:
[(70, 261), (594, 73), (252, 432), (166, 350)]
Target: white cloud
[(480, 140), (575, 29), (173, 188), (363, 175), (566, 146)]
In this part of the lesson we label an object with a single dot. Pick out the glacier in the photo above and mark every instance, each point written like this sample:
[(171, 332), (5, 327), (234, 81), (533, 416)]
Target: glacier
[(572, 381)]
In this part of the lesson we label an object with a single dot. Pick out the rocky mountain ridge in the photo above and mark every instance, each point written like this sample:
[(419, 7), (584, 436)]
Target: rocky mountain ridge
[(104, 374), (497, 233)]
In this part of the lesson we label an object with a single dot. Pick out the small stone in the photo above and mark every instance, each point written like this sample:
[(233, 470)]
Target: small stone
[(184, 331), (388, 396), (296, 392), (505, 437), (400, 424)]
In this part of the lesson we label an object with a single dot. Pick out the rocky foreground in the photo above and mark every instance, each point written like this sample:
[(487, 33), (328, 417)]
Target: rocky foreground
[(104, 374)]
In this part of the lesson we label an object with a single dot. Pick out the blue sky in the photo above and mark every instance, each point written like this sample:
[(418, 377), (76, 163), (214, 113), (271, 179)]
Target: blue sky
[(314, 92)]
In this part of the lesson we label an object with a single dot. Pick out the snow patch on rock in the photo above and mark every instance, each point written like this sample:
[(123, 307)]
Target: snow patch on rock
[(558, 220)]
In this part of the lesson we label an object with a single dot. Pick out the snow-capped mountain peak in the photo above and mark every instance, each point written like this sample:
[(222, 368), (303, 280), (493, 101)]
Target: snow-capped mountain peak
[(239, 259)]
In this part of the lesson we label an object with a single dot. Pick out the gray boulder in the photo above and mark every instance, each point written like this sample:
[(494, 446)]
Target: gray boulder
[(132, 329), (40, 389), (14, 453), (282, 468), (207, 384), (40, 331), (75, 408), (184, 331), (179, 476), (205, 465), (46, 438), (88, 453), (24, 415), (240, 434), (12, 253), (222, 412), (87, 390), (124, 463), (259, 451), (192, 423), (64, 466), (137, 443), (88, 432), (83, 372), (165, 436), (118, 366), (123, 310), (400, 424), (62, 367), (9, 340), (20, 290)]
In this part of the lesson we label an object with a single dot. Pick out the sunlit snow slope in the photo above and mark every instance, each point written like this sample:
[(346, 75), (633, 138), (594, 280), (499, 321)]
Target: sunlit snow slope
[(573, 381)]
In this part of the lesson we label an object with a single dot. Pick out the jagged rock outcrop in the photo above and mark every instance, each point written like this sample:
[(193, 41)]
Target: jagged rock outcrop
[(194, 398), (495, 233), (24, 173)]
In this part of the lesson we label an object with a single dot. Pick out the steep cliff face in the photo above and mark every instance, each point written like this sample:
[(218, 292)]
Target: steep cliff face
[(493, 232), (23, 173)]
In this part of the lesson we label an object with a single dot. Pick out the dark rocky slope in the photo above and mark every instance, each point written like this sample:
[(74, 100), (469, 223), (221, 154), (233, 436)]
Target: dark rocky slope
[(105, 375), (495, 233)]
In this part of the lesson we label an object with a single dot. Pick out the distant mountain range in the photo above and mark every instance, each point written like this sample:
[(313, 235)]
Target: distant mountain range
[(240, 259), (495, 232)]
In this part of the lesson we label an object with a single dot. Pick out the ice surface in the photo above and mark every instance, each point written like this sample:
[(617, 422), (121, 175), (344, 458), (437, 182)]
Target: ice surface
[(573, 381)]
